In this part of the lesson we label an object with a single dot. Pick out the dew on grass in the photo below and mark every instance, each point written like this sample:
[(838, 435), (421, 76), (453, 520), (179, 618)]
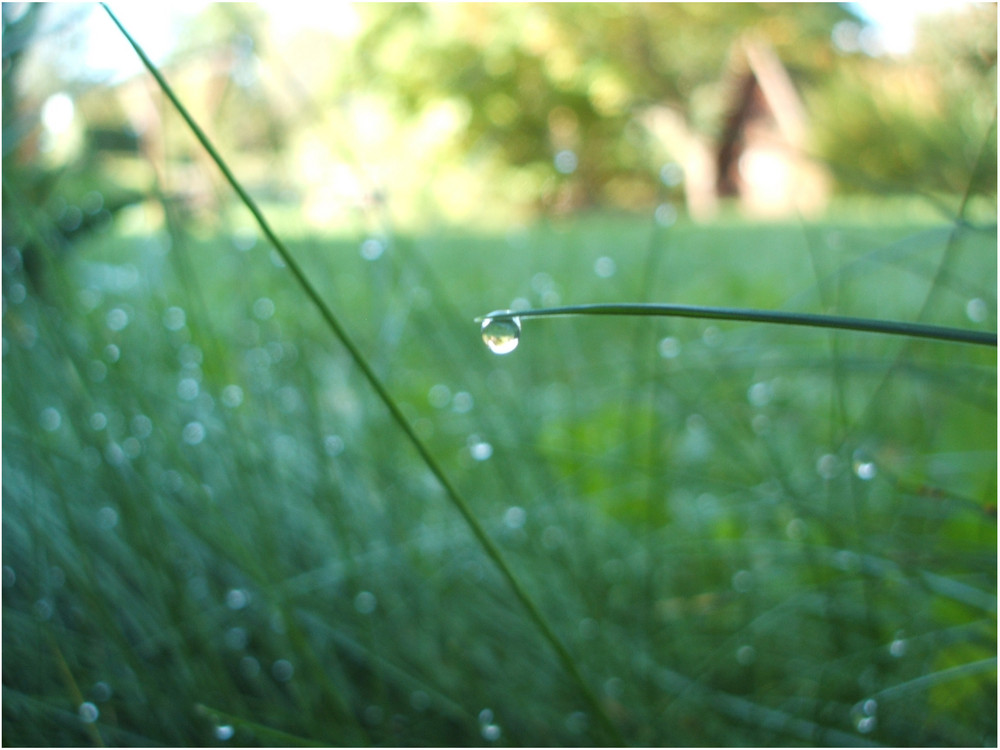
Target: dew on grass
[(514, 517), (174, 318), (976, 310), (373, 715), (116, 319), (665, 214), (237, 599), (553, 537), (439, 395), (796, 529), (249, 667), (282, 670), (50, 419), (189, 355), (107, 518), (193, 433), (671, 174), (101, 692), (114, 454), (112, 353), (372, 248), (365, 602), (669, 347), (236, 638), (98, 421), (828, 466), (224, 732), (232, 396), (17, 293), (491, 732), (863, 715), (142, 426), (746, 655), (605, 267), (865, 470), (333, 445), (43, 609), (897, 648), (577, 722), (88, 712), (501, 335), (486, 716), (462, 402), (276, 260), (480, 450), (760, 394), (263, 308), (565, 161), (244, 240), (742, 581), (188, 389), (97, 370)]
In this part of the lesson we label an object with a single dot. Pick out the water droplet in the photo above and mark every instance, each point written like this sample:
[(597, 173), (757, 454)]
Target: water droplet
[(372, 249), (98, 421), (112, 353), (566, 162), (50, 419), (760, 394), (174, 318), (116, 319), (88, 712), (665, 214), (237, 599), (224, 732), (976, 310), (232, 396), (107, 518), (515, 517), (480, 450), (439, 395), (491, 732), (746, 655), (249, 666), (462, 402), (142, 426), (193, 433), (188, 389), (671, 174), (863, 465), (282, 670), (263, 308), (236, 638), (486, 716), (669, 347), (605, 267), (897, 648), (365, 602), (101, 691), (742, 581), (827, 466), (333, 445), (577, 722), (501, 335)]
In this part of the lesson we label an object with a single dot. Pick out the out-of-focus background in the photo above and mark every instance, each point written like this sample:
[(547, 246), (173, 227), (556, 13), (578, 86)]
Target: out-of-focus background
[(213, 533)]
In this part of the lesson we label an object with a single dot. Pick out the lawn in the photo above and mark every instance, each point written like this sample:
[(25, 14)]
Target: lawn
[(215, 532)]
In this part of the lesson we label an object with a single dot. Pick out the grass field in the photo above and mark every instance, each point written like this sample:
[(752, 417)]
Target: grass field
[(215, 533)]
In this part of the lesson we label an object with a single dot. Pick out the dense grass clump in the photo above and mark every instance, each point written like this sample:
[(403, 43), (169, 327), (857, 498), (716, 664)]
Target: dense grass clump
[(221, 527)]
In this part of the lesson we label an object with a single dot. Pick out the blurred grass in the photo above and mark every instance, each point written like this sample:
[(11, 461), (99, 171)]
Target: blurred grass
[(745, 535)]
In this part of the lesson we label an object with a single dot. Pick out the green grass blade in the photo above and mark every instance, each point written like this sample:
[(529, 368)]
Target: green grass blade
[(489, 547), (869, 325)]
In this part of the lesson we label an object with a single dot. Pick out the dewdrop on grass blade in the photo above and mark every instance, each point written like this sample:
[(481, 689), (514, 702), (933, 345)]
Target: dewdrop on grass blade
[(501, 335)]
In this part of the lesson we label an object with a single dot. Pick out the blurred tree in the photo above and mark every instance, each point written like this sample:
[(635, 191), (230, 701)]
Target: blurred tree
[(558, 87), (926, 121)]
